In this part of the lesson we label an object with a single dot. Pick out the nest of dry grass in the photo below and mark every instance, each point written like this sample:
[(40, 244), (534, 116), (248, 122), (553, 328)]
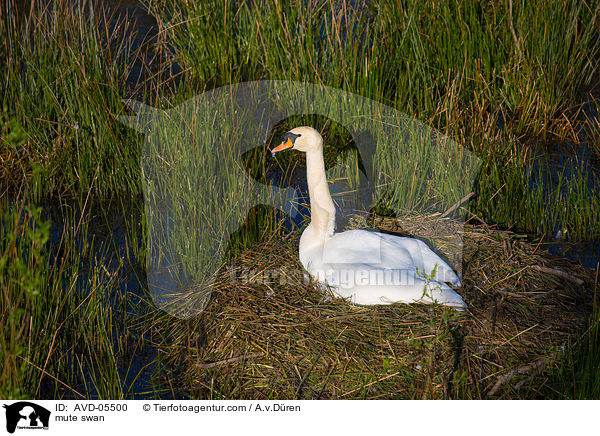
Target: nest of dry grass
[(267, 333)]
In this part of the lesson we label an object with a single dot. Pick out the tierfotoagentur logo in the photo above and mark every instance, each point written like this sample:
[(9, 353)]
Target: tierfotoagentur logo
[(197, 191), (26, 415), (344, 277)]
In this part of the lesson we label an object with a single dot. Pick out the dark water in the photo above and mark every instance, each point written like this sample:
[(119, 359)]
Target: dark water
[(115, 233), (150, 48), (565, 168)]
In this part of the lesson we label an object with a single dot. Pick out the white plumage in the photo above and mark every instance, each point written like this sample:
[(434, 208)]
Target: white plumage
[(363, 266)]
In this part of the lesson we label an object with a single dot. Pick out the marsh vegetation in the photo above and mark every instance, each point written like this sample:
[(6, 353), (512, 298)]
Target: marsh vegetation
[(510, 82)]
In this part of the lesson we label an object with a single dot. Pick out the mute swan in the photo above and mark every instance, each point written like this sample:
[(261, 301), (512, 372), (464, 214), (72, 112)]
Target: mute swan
[(365, 267)]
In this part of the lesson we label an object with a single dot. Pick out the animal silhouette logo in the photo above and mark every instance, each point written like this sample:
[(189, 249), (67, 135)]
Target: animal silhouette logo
[(198, 192), (24, 414)]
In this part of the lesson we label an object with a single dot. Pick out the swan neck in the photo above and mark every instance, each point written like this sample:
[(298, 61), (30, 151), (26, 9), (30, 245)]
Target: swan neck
[(322, 210)]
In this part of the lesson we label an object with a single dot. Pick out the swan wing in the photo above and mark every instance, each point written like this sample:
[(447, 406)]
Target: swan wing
[(366, 284), (425, 259), (373, 250)]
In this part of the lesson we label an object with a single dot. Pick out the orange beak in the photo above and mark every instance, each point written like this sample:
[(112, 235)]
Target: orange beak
[(283, 146)]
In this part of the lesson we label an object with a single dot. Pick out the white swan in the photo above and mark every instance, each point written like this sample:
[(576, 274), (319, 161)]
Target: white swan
[(363, 266)]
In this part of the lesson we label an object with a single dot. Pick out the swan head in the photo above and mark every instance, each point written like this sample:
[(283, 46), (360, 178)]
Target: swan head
[(303, 139)]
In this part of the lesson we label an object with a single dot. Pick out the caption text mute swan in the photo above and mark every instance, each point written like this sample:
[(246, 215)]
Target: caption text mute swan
[(363, 266)]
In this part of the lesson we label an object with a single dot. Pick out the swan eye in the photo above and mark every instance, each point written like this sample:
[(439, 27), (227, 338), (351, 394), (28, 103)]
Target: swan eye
[(291, 136)]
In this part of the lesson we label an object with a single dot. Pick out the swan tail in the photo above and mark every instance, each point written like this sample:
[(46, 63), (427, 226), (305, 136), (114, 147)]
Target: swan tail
[(432, 262), (443, 294)]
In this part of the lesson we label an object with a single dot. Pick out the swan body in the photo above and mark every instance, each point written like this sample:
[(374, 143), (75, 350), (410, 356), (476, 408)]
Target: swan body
[(364, 267)]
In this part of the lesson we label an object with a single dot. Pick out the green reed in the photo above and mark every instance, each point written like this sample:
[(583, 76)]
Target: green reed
[(68, 324), (473, 70), (65, 76)]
